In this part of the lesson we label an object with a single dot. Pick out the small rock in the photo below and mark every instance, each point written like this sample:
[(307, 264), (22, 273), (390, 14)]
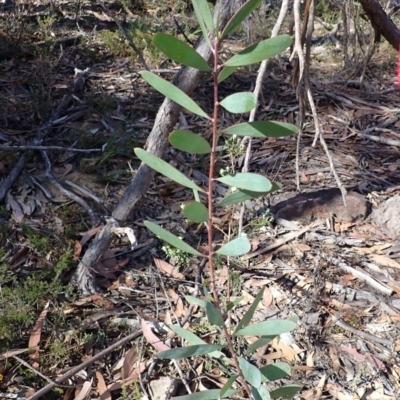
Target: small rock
[(386, 216), (307, 207), (163, 388)]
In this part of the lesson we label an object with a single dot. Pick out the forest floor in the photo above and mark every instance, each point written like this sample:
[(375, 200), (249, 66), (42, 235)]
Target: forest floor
[(337, 270)]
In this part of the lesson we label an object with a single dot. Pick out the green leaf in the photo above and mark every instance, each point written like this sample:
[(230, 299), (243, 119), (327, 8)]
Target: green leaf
[(250, 372), (286, 392), (261, 393), (259, 343), (240, 196), (204, 18), (195, 300), (225, 72), (233, 303), (180, 51), (194, 339), (212, 394), (165, 169), (240, 16), (228, 385), (240, 102), (172, 92), (262, 129), (190, 351), (271, 327), (236, 247), (247, 181), (170, 238), (196, 212), (245, 321), (260, 51), (275, 186), (189, 142), (273, 372), (214, 315)]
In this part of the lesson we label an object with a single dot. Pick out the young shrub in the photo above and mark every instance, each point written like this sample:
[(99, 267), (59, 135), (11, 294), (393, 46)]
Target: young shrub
[(244, 186)]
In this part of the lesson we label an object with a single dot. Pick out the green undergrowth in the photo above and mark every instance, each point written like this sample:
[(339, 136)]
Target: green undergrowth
[(24, 295)]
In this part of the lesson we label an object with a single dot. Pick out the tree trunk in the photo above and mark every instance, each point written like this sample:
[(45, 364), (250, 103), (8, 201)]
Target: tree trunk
[(381, 22), (167, 116)]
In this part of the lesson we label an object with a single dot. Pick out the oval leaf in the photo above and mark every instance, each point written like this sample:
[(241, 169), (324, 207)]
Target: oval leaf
[(240, 196), (214, 315), (180, 51), (286, 392), (225, 72), (272, 327), (236, 247), (196, 212), (239, 102), (260, 51), (261, 393), (262, 129), (170, 238), (240, 16), (172, 92), (190, 351), (212, 394), (273, 372), (165, 169), (189, 142), (250, 372), (247, 181)]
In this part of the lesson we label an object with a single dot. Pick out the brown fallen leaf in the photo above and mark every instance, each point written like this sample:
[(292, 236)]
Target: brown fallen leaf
[(104, 393), (167, 268), (157, 343), (384, 261), (34, 338)]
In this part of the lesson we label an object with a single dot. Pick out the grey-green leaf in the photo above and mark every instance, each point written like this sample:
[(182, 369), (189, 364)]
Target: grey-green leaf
[(261, 393), (240, 102), (240, 196), (267, 328), (259, 343), (286, 392), (190, 351), (180, 51), (225, 73), (212, 394), (250, 372), (194, 339), (240, 16), (189, 142), (273, 372), (260, 51), (196, 212), (228, 385), (245, 321), (172, 92), (204, 18), (233, 304), (236, 247), (247, 181), (170, 238), (262, 129), (165, 169), (194, 300), (214, 315)]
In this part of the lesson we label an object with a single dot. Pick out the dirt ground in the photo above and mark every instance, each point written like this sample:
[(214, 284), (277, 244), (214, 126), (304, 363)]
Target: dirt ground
[(69, 79)]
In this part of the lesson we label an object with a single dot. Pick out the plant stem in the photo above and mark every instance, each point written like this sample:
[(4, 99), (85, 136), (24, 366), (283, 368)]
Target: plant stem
[(211, 253)]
